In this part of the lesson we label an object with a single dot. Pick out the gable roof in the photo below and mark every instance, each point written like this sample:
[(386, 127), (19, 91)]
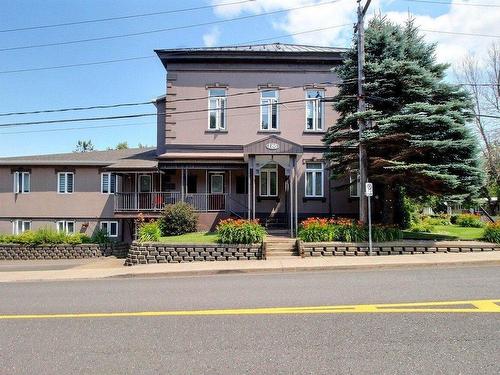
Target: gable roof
[(135, 156)]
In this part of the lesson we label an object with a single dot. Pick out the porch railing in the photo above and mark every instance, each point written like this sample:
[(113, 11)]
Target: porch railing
[(156, 201)]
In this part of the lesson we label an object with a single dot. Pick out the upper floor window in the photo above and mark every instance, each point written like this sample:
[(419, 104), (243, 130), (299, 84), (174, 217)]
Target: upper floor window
[(269, 180), (108, 183), (22, 182), (217, 109), (65, 182), (314, 110), (354, 183), (314, 179), (20, 226), (269, 110), (65, 226)]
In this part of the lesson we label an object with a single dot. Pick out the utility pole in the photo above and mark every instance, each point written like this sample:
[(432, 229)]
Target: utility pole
[(363, 162)]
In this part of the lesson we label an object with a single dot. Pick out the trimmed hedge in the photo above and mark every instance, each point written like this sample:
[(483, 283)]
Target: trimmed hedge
[(177, 219), (239, 231), (49, 237), (344, 230)]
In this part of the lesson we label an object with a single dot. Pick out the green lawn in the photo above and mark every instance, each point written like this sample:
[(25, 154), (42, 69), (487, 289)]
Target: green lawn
[(188, 238), (447, 232)]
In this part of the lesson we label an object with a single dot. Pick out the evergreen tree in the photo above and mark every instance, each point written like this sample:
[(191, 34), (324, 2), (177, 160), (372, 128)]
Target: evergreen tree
[(416, 140), (84, 146)]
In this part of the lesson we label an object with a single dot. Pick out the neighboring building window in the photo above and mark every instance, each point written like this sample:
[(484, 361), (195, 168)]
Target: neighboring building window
[(314, 179), (20, 226), (269, 110), (65, 226), (217, 109), (108, 183), (65, 182), (22, 182), (354, 182), (314, 110), (269, 180), (110, 227)]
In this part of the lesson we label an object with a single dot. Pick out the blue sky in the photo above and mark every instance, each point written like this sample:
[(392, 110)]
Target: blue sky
[(143, 79)]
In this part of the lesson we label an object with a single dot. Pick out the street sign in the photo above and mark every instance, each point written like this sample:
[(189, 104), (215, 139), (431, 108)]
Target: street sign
[(369, 189)]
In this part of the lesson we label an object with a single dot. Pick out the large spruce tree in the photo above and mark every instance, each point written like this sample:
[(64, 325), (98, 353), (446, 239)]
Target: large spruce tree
[(417, 140)]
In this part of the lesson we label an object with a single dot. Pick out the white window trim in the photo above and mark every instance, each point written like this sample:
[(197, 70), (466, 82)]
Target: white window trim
[(65, 182), (266, 171), (354, 174), (218, 125), (15, 226), (320, 105), (108, 231), (314, 171), (20, 189), (269, 105), (65, 226), (141, 176), (212, 174), (110, 176)]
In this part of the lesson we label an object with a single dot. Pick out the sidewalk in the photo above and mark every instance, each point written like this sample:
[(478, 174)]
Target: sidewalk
[(112, 268)]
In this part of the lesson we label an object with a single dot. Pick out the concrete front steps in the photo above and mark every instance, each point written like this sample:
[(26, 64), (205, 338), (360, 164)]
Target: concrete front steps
[(280, 247)]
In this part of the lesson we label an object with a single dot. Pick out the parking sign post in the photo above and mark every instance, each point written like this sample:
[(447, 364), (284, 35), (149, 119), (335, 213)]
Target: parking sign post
[(369, 194)]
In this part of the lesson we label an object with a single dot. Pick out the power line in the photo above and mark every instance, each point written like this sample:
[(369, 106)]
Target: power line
[(166, 29), (153, 56), (454, 3), (138, 115), (460, 33), (206, 97), (121, 17)]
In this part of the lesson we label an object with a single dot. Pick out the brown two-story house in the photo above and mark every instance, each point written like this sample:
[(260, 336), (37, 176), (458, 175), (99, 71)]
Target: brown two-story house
[(239, 133)]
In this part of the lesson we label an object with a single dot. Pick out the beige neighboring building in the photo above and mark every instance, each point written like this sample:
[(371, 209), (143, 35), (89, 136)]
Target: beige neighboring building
[(239, 134)]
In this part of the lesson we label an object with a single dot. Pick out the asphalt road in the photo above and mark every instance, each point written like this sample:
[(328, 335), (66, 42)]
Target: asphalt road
[(311, 343)]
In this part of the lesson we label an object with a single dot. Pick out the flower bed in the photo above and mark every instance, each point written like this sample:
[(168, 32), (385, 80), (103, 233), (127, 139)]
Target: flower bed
[(348, 230)]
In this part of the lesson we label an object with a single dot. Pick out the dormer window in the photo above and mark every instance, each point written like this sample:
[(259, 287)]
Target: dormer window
[(217, 109), (269, 110), (314, 110)]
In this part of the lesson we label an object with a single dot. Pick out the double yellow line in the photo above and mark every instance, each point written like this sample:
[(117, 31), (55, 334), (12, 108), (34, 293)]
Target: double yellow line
[(471, 306)]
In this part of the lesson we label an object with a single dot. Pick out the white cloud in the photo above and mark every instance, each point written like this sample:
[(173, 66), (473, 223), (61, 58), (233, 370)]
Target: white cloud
[(212, 38), (451, 48)]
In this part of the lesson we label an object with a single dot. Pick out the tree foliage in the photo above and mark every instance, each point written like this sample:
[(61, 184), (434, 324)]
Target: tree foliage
[(84, 146), (416, 137)]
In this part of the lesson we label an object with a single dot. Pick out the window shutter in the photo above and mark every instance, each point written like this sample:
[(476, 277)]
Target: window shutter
[(62, 182), (69, 182)]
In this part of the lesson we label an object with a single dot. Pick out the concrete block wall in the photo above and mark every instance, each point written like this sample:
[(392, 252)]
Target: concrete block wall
[(153, 252), (62, 251), (316, 249)]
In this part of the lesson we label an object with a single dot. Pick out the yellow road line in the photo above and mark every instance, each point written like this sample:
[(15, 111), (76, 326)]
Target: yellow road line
[(477, 306)]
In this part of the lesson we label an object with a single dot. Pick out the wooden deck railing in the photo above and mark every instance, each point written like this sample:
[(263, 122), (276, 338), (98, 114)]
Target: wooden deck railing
[(156, 201)]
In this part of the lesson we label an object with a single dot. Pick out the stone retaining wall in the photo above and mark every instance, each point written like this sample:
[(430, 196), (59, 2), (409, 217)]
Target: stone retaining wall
[(155, 252), (314, 249), (62, 251)]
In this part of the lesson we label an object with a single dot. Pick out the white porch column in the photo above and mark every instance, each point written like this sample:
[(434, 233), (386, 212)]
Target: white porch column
[(249, 188), (295, 175), (290, 193), (253, 189), (182, 184)]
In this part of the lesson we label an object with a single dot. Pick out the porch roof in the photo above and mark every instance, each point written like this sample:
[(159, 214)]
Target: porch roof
[(202, 155)]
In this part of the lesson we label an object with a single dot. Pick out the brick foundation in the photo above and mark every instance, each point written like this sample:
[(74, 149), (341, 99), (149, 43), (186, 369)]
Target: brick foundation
[(62, 251), (315, 249), (155, 252)]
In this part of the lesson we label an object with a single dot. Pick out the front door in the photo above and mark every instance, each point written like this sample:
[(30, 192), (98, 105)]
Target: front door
[(216, 198), (145, 188)]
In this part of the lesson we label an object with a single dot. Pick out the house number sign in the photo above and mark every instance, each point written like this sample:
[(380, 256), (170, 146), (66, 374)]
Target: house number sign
[(272, 146)]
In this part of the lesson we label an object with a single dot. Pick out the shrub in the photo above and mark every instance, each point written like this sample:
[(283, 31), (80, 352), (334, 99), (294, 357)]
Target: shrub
[(177, 219), (492, 232), (469, 220), (345, 230), (49, 236), (77, 238), (100, 236), (149, 232), (421, 227), (240, 231), (437, 220)]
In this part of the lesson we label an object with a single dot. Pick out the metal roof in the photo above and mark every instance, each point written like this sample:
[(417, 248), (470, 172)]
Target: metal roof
[(272, 47), (132, 156)]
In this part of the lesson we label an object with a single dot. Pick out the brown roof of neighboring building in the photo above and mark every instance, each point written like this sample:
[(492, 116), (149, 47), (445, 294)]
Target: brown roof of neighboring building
[(128, 158)]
